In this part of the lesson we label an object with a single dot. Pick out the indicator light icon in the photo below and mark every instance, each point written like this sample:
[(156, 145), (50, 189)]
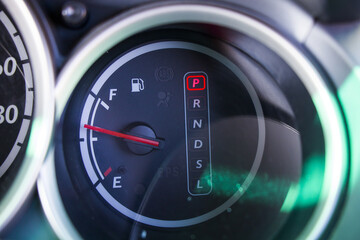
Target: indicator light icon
[(137, 85), (196, 82)]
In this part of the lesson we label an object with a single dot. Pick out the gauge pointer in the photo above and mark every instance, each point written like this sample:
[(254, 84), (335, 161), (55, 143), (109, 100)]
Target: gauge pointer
[(154, 143)]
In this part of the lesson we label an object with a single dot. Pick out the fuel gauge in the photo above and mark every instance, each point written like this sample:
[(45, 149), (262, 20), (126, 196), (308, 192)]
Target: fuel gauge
[(171, 125), (161, 161)]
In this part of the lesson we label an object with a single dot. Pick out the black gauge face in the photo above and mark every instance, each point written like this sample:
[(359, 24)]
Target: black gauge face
[(172, 134), (16, 93), (151, 134)]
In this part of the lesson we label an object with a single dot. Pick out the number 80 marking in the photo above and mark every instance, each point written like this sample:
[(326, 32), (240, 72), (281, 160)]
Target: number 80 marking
[(11, 114)]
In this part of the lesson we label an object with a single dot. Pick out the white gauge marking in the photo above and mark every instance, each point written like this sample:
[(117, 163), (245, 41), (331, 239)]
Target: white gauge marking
[(23, 131), (87, 163), (28, 85), (93, 115), (8, 24), (91, 138), (105, 105), (28, 102), (83, 145), (17, 40), (16, 148), (20, 47), (10, 158), (84, 117), (27, 75)]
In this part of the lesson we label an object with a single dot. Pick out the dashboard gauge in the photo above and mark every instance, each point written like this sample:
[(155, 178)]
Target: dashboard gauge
[(17, 93), (23, 106), (173, 134), (170, 127)]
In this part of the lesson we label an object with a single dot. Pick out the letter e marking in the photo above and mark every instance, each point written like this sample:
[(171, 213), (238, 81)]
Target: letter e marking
[(116, 182)]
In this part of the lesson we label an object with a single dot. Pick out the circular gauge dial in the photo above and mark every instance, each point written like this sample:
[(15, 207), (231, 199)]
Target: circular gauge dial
[(26, 105), (158, 128), (17, 97), (152, 134)]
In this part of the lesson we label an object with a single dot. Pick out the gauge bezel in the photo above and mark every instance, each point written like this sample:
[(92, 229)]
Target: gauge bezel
[(43, 113), (118, 29)]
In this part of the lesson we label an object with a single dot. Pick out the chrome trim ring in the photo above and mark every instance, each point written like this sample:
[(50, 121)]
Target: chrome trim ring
[(118, 29)]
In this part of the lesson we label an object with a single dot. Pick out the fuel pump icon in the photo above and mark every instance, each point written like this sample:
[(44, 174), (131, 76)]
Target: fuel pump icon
[(137, 85)]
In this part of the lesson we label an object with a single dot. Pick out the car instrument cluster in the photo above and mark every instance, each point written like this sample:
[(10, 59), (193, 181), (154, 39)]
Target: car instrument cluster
[(181, 119)]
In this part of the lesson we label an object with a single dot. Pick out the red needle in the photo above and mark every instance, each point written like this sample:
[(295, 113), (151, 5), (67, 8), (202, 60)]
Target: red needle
[(123, 135)]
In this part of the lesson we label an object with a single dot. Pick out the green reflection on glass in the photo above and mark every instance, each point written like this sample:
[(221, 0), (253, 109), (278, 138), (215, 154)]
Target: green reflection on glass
[(349, 94), (225, 181), (33, 145), (290, 199), (263, 189), (311, 181), (272, 190), (307, 192)]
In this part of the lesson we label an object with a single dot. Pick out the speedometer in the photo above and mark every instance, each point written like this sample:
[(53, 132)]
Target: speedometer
[(16, 93), (26, 106)]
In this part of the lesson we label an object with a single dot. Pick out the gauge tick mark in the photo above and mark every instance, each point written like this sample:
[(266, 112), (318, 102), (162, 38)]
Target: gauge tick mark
[(105, 105), (107, 172)]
